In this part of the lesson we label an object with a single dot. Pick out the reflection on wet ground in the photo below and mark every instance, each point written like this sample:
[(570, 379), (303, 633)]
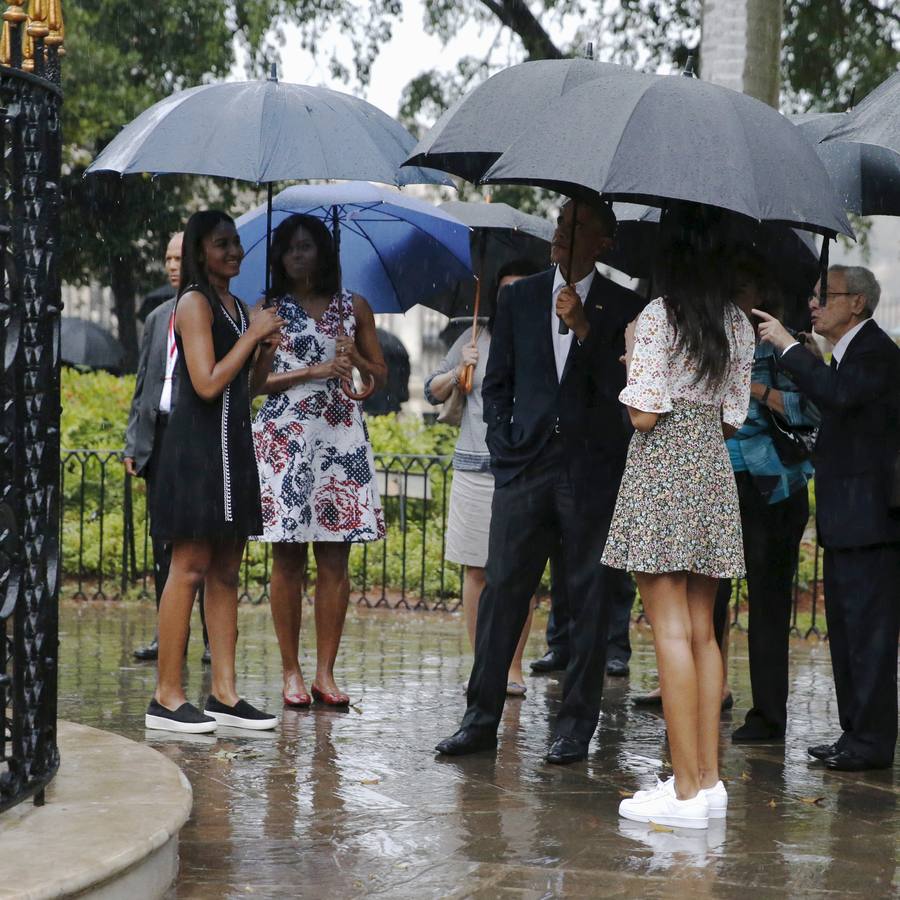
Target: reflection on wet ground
[(353, 804)]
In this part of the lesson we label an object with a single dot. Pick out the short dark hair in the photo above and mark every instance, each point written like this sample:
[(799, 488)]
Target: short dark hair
[(193, 269), (327, 279), (601, 209), (520, 267)]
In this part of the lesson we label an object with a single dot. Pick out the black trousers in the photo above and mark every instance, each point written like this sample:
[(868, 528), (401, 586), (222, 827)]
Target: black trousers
[(772, 533), (622, 592), (862, 607), (162, 550), (542, 508)]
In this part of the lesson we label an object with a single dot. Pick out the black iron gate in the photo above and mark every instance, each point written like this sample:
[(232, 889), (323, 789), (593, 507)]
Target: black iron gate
[(30, 148)]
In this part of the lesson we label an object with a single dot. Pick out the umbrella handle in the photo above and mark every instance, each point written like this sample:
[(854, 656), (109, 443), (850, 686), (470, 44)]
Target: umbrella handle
[(467, 380), (363, 393)]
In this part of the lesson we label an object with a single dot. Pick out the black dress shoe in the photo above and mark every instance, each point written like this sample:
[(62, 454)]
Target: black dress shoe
[(151, 651), (565, 750), (551, 661), (845, 761), (755, 731), (617, 668), (823, 751), (467, 740)]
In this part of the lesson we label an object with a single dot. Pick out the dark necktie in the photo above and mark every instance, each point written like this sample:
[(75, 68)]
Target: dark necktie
[(834, 364)]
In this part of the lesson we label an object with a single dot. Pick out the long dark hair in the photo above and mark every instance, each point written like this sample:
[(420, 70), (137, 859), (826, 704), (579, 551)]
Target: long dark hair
[(193, 270), (327, 280), (696, 293)]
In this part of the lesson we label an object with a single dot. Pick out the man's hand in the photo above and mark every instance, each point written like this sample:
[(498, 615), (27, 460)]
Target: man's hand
[(771, 330), (571, 310), (128, 462)]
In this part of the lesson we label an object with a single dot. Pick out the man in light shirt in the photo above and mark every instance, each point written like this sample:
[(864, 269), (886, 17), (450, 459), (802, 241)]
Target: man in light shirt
[(155, 393), (855, 458)]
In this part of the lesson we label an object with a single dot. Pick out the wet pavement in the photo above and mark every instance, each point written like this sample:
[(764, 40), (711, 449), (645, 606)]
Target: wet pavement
[(354, 804)]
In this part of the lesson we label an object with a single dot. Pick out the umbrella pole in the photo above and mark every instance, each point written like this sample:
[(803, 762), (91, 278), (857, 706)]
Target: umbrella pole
[(346, 383), (267, 299), (823, 271), (468, 378), (563, 328)]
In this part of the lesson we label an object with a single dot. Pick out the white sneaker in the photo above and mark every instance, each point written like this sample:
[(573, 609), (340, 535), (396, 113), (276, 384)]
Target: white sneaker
[(716, 796), (663, 808)]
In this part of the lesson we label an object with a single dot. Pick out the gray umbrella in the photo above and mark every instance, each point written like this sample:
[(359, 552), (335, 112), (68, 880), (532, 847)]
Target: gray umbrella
[(651, 139), (472, 133), (84, 343), (876, 120), (265, 131), (499, 216), (866, 176)]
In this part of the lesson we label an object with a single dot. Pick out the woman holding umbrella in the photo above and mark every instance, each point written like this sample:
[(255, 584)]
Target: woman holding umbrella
[(316, 467), (204, 501), (677, 524)]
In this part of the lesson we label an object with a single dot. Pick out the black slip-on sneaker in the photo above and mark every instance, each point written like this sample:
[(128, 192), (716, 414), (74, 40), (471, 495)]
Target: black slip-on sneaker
[(187, 719), (241, 715)]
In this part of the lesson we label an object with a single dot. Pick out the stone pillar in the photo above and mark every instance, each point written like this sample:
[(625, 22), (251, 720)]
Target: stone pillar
[(740, 46)]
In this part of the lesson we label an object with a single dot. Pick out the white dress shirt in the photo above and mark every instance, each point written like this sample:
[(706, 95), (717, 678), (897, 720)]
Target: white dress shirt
[(165, 398), (562, 343)]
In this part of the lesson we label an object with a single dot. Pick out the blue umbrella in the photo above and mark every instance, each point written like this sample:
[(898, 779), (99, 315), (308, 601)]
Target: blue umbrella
[(396, 251)]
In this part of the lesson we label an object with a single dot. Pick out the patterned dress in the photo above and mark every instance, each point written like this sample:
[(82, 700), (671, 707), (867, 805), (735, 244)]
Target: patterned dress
[(677, 509), (316, 469)]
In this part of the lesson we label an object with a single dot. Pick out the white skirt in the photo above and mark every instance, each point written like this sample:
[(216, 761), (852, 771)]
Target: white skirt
[(469, 519)]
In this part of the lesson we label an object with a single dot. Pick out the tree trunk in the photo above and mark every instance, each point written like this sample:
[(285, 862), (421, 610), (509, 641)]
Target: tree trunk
[(740, 46), (122, 284)]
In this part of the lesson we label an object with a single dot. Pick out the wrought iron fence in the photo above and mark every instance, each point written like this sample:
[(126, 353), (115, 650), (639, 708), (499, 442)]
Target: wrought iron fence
[(107, 551), (30, 148)]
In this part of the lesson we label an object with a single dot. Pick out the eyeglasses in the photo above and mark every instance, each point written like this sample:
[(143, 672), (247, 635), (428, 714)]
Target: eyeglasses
[(819, 300)]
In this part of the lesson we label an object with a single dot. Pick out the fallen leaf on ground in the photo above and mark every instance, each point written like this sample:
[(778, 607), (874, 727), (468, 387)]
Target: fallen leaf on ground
[(745, 776), (813, 801), (772, 804), (655, 827), (626, 793), (371, 781)]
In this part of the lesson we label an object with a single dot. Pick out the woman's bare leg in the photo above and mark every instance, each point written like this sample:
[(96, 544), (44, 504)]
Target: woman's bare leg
[(666, 604), (701, 595), (286, 601), (332, 597), (222, 582), (190, 563), (515, 669)]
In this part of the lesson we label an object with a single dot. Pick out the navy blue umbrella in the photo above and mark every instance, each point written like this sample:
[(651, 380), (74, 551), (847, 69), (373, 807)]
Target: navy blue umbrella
[(396, 251)]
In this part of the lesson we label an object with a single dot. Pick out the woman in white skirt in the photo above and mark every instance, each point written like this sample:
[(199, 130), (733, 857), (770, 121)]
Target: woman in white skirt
[(469, 519), (677, 523)]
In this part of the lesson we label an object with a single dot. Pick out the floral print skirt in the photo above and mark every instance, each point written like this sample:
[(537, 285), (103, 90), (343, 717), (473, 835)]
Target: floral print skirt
[(677, 509)]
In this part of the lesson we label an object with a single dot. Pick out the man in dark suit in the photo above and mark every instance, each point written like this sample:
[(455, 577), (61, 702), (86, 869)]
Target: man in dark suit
[(859, 398), (558, 438), (155, 394)]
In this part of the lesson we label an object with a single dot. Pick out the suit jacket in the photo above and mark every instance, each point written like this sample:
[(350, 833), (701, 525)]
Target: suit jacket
[(148, 387), (858, 438), (524, 401)]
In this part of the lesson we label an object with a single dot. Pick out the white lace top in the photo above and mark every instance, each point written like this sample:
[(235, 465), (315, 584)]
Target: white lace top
[(658, 375)]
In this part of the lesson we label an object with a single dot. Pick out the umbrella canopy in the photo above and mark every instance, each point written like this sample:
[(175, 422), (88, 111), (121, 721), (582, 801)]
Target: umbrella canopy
[(475, 130), (866, 176), (84, 343), (396, 251), (876, 120), (500, 234), (265, 131), (652, 138), (791, 254)]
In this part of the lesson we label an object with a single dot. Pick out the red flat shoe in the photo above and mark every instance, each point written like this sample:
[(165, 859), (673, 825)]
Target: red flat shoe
[(329, 699), (296, 701)]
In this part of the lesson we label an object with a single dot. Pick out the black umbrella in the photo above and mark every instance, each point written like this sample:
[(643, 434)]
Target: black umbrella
[(83, 343), (876, 120), (474, 131), (155, 298), (866, 176), (500, 234)]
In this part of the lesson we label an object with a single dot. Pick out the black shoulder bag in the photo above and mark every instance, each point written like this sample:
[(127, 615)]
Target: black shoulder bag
[(793, 444)]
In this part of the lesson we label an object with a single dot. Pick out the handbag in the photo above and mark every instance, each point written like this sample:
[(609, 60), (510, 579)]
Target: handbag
[(793, 444), (452, 408)]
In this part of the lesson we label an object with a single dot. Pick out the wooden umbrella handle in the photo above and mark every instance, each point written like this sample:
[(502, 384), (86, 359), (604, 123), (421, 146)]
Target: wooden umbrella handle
[(363, 393)]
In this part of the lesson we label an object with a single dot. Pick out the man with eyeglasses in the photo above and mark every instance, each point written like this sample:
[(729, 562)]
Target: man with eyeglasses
[(858, 394)]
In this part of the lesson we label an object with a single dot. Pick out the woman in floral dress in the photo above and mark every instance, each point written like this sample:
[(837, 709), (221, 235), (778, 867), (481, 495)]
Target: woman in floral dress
[(316, 468), (677, 524)]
